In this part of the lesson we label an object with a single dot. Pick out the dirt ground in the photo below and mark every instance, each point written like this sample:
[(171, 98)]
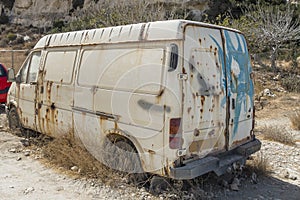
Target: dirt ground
[(24, 176)]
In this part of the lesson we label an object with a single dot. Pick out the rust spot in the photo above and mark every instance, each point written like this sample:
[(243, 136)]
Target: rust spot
[(192, 75), (42, 90), (196, 132), (183, 70), (151, 151), (201, 110), (200, 41), (210, 48), (202, 100), (52, 106), (189, 109)]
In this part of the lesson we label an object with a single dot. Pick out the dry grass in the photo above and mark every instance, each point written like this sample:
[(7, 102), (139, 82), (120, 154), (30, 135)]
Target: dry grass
[(259, 164), (295, 120), (66, 153), (278, 134)]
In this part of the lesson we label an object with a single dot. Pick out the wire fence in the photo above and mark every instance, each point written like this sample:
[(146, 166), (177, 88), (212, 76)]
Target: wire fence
[(12, 58)]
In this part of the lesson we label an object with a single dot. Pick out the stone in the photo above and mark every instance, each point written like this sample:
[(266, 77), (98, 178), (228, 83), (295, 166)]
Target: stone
[(25, 143), (27, 153), (28, 190), (19, 158), (254, 178), (74, 169), (12, 151), (234, 187)]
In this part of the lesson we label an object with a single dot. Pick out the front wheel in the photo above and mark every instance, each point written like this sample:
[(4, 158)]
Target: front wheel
[(14, 120)]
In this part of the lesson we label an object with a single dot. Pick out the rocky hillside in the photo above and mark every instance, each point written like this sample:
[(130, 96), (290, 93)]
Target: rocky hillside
[(42, 13)]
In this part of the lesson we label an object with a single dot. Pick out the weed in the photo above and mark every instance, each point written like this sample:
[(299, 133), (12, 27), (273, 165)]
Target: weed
[(295, 120), (291, 83), (278, 134), (259, 164), (66, 153)]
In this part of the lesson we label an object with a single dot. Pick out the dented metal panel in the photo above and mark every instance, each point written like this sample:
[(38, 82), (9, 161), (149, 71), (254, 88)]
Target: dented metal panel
[(240, 88), (204, 105)]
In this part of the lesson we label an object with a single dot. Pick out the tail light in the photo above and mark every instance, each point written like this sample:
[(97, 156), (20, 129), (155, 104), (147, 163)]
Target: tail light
[(175, 134)]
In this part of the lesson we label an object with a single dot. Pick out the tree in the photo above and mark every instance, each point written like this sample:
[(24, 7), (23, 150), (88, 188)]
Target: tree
[(267, 28), (274, 28)]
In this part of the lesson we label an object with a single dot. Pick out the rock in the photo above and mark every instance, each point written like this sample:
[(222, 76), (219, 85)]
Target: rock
[(225, 184), (25, 142), (234, 187), (60, 188), (27, 153), (74, 169), (158, 184), (12, 151), (28, 190), (19, 158), (254, 178), (236, 181), (268, 93)]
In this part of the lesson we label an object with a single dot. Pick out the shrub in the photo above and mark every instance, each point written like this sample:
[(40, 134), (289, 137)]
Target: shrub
[(291, 83), (11, 36), (278, 134), (295, 120), (4, 19), (259, 164), (4, 42)]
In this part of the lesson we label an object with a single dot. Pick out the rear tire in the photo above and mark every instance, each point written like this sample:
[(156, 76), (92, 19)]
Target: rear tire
[(120, 155)]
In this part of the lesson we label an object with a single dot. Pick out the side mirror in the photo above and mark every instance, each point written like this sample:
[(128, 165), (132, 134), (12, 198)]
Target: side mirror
[(11, 75)]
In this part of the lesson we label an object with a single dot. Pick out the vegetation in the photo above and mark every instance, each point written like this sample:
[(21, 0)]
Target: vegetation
[(278, 134), (259, 164), (121, 13), (267, 28), (295, 119), (11, 36)]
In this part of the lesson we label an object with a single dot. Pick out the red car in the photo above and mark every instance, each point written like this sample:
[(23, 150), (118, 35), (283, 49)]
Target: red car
[(4, 85)]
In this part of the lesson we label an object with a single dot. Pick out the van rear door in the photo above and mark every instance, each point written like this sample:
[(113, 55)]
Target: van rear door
[(240, 89), (204, 91)]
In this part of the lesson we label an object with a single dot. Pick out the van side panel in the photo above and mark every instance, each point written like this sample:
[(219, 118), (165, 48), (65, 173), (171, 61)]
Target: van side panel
[(204, 111), (119, 90)]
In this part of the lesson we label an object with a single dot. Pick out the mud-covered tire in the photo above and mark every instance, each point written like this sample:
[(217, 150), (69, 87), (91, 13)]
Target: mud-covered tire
[(14, 121), (120, 155)]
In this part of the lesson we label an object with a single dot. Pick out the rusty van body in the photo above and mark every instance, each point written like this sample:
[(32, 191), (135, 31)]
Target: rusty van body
[(180, 93)]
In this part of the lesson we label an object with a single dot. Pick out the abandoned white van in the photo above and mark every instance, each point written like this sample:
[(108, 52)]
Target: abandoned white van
[(177, 95)]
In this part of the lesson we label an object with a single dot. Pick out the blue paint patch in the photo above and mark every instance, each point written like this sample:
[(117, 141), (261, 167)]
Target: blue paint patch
[(240, 84)]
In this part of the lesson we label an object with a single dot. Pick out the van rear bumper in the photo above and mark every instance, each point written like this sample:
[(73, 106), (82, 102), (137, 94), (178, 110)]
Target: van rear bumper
[(218, 164)]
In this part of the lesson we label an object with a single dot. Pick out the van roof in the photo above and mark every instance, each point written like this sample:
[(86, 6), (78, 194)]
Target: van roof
[(151, 31)]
